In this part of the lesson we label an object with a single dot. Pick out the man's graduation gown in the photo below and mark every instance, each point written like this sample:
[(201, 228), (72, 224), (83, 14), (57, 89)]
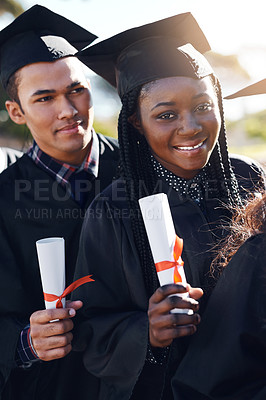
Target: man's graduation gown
[(34, 206), (114, 330)]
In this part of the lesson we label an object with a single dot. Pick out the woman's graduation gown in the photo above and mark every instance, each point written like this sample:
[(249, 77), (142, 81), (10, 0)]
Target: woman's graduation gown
[(114, 330)]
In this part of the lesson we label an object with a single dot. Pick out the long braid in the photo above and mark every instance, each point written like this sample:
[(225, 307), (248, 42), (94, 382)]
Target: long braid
[(229, 175), (219, 167), (140, 180)]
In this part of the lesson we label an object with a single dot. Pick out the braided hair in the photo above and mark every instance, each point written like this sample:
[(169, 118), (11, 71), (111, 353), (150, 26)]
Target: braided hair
[(140, 177)]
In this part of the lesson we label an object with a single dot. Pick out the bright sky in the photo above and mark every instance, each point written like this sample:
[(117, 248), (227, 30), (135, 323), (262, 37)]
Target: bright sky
[(231, 26)]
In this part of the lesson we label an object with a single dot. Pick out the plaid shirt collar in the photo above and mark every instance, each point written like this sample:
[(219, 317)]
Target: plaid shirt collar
[(62, 171)]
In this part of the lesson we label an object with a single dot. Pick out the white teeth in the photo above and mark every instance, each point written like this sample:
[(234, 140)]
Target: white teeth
[(190, 147)]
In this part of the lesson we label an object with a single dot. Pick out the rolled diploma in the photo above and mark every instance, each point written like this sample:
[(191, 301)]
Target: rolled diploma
[(51, 256), (160, 230)]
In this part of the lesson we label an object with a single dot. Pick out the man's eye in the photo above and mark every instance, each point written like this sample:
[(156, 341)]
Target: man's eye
[(77, 90), (44, 99)]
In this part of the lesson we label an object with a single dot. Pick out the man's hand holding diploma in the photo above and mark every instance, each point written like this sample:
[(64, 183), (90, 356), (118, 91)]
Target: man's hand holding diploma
[(52, 340)]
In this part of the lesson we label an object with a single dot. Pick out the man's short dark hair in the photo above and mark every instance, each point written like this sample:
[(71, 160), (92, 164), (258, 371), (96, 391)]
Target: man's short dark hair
[(12, 88)]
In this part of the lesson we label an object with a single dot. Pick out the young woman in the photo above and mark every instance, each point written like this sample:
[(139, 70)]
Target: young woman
[(227, 357), (172, 140)]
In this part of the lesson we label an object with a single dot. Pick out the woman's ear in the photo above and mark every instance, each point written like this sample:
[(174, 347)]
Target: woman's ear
[(15, 112), (135, 121)]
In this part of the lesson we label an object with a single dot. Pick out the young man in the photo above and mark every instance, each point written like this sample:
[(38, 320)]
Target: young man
[(45, 193)]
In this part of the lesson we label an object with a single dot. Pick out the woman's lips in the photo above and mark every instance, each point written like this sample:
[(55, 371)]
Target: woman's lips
[(190, 148)]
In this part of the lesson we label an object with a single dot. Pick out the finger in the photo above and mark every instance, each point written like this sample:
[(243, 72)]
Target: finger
[(163, 291), (42, 345), (174, 319), (44, 316), (76, 305), (195, 293), (182, 302), (166, 336), (179, 331), (171, 302), (51, 328), (54, 354)]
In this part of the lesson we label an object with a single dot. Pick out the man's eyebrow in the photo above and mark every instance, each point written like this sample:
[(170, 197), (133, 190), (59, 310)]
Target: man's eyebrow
[(43, 91), (73, 84)]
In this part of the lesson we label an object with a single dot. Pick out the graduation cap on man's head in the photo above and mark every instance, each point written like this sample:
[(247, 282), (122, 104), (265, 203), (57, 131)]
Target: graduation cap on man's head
[(255, 88), (149, 52), (39, 35)]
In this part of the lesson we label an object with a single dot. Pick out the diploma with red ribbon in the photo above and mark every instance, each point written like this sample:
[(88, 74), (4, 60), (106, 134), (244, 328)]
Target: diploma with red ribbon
[(51, 256), (166, 246), (52, 297)]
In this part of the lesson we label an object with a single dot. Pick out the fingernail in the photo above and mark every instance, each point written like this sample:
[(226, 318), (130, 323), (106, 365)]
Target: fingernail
[(71, 312)]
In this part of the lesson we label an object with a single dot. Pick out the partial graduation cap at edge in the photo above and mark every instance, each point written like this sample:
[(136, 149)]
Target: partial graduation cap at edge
[(149, 52), (255, 88), (39, 35)]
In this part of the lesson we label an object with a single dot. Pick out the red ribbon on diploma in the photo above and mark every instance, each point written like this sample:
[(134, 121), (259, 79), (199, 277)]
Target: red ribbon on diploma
[(163, 265), (69, 289)]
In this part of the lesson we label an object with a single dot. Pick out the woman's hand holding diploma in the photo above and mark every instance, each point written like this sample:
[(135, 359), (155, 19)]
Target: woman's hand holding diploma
[(165, 326)]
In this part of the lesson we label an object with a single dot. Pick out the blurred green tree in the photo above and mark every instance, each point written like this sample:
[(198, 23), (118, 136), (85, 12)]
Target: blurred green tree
[(255, 125)]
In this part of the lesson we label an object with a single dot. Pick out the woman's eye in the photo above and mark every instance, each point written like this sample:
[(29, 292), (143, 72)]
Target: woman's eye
[(166, 116), (204, 107)]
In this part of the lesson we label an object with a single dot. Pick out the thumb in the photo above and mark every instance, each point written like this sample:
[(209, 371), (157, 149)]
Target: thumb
[(77, 304), (195, 293)]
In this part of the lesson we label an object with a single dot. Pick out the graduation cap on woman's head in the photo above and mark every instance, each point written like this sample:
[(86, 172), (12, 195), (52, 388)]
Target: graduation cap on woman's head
[(255, 88), (149, 52), (39, 35)]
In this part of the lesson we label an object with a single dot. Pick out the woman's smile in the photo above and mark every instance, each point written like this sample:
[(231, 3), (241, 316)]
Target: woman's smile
[(190, 147)]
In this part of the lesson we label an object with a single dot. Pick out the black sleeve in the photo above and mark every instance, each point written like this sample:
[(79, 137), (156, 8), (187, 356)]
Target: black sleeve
[(112, 329), (227, 356), (249, 173)]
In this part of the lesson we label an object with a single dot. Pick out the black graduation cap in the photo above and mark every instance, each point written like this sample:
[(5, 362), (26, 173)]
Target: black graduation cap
[(152, 51), (39, 35), (255, 88)]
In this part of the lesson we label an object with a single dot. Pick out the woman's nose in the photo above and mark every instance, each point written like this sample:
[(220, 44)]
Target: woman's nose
[(188, 125)]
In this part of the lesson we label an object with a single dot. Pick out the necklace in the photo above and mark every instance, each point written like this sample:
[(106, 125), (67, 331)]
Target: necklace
[(193, 189)]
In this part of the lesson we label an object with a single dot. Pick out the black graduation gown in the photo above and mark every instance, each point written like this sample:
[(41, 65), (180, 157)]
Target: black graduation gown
[(33, 206), (226, 358), (114, 332)]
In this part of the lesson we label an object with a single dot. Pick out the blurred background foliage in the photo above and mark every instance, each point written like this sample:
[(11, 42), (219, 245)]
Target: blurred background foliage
[(12, 6), (245, 136)]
